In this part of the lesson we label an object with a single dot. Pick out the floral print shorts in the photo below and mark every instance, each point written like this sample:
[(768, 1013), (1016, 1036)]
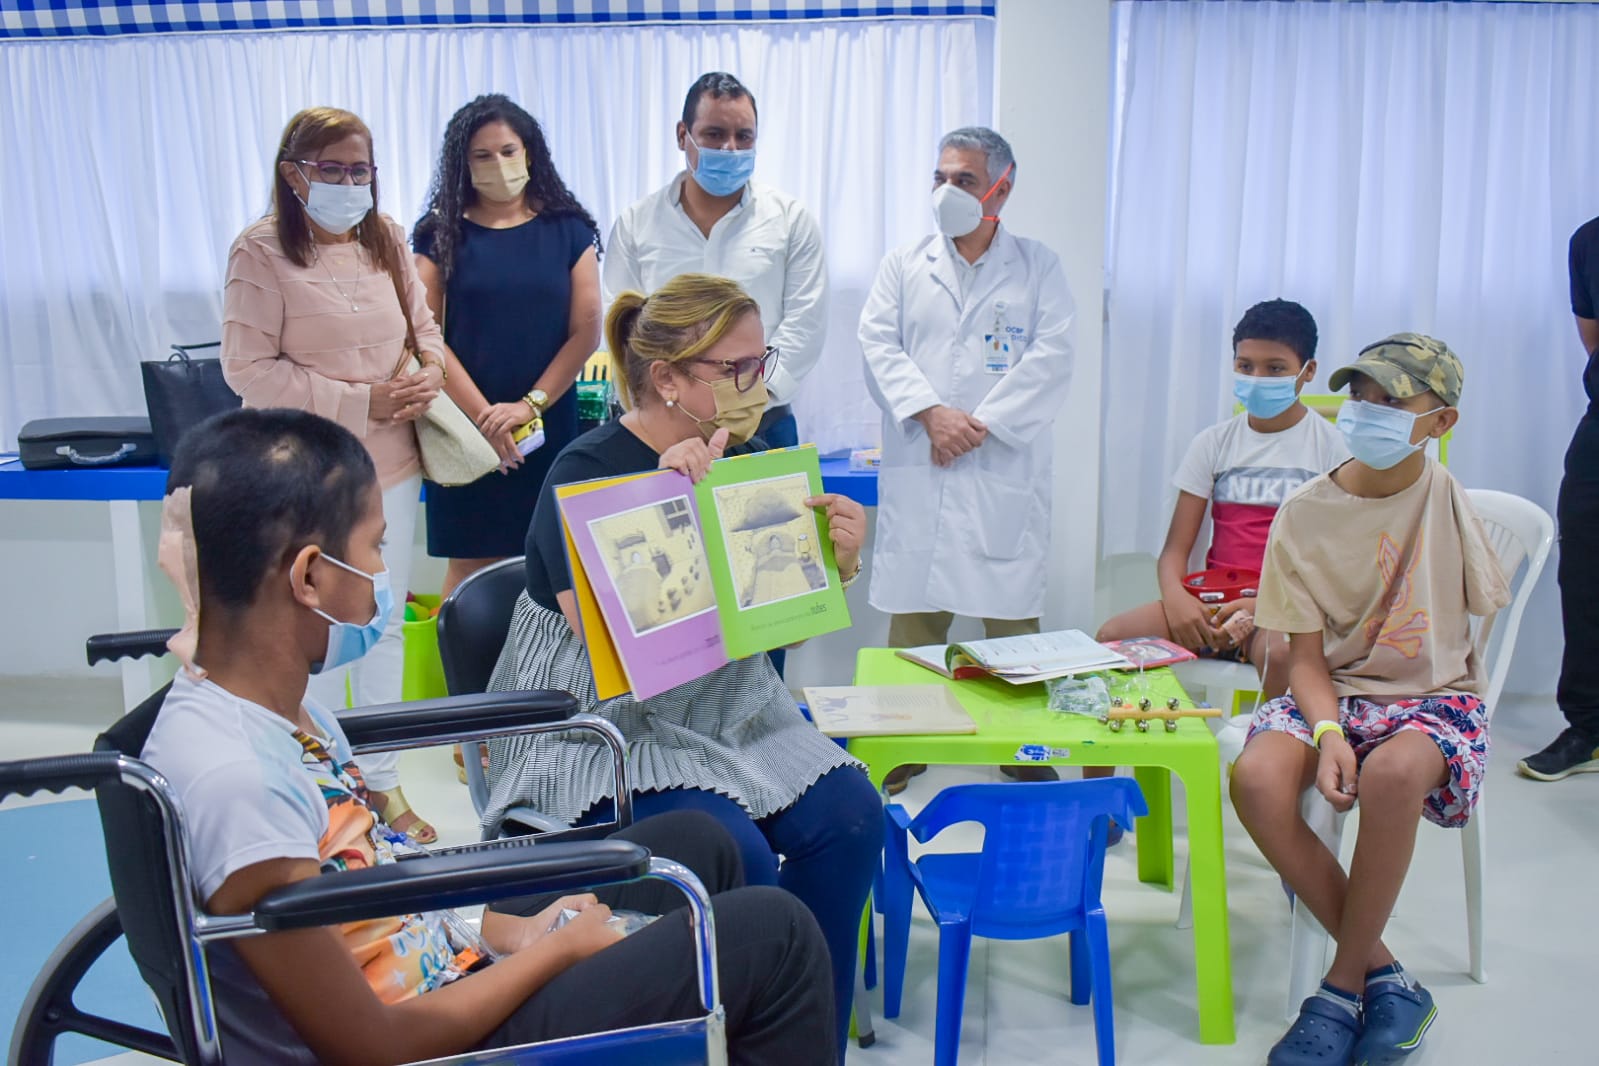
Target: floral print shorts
[(1456, 723)]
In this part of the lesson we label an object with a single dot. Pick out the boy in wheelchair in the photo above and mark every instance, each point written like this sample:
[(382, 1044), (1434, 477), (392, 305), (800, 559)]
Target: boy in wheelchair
[(273, 523)]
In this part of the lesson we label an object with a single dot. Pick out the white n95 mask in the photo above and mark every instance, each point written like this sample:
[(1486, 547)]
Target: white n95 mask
[(957, 212)]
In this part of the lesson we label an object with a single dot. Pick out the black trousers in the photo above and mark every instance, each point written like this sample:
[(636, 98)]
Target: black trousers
[(772, 963), (1577, 513)]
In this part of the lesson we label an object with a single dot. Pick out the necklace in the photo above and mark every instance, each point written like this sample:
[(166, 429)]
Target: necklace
[(355, 282)]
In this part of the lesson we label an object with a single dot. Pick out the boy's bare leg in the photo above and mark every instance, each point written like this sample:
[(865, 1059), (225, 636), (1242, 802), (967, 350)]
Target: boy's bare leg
[(1145, 620), (1394, 780), (1267, 781)]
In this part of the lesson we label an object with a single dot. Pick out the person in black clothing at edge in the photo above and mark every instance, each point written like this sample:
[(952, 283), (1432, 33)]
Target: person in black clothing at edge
[(1576, 749)]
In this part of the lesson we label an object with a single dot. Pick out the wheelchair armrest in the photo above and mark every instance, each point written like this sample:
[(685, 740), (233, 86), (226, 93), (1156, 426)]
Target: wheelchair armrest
[(109, 647), (436, 882), (57, 773), (454, 718)]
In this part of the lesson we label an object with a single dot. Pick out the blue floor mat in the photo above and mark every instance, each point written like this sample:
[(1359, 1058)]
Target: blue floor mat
[(52, 872)]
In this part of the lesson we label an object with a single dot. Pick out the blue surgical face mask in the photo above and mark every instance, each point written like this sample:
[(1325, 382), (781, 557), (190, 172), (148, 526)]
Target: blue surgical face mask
[(1266, 397), (1379, 436), (348, 641), (337, 208), (724, 171)]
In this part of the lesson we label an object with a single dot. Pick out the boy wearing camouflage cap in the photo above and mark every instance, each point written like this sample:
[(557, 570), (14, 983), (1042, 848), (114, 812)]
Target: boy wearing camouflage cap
[(1372, 570)]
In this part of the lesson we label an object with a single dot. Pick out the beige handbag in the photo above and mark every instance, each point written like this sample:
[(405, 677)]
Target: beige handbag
[(454, 451)]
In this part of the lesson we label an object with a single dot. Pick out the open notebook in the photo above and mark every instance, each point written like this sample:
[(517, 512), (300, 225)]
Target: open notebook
[(1019, 660)]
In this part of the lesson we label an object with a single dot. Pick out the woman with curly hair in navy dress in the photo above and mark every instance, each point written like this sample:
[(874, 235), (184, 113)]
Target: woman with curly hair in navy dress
[(510, 259)]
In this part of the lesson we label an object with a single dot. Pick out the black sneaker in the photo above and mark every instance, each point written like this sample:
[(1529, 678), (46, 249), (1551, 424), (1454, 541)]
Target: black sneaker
[(1571, 753)]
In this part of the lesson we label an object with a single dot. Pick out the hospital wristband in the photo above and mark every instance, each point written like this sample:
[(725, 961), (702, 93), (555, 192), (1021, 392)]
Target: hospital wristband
[(1326, 727)]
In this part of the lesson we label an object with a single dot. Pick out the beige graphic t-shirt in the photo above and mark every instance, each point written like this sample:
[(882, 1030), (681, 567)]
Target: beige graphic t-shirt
[(1390, 583)]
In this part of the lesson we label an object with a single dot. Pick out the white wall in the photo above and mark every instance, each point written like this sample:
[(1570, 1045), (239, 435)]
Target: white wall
[(1053, 105)]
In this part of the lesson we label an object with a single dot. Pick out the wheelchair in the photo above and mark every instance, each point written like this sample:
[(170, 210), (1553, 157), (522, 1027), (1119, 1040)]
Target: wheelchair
[(154, 907)]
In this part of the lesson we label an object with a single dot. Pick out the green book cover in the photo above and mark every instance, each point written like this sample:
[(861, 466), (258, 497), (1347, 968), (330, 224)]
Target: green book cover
[(771, 558)]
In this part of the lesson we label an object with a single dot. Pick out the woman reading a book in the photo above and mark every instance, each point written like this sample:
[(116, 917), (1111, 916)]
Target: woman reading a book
[(692, 361)]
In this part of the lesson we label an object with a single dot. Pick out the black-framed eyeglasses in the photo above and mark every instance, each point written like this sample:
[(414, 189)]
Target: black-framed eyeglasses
[(333, 173), (747, 371)]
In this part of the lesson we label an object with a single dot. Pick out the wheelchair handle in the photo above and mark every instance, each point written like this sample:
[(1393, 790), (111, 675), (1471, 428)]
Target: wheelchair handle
[(109, 647), (57, 773)]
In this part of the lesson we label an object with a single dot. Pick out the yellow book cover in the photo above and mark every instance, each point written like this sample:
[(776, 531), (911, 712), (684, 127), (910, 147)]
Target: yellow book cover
[(610, 677)]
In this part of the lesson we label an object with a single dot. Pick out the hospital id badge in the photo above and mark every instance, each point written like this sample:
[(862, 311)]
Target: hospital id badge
[(996, 344)]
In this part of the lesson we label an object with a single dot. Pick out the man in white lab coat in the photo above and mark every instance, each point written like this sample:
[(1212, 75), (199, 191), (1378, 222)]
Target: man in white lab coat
[(712, 219), (967, 338)]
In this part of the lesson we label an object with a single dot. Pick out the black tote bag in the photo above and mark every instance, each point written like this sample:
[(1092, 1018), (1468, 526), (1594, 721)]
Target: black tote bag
[(181, 392)]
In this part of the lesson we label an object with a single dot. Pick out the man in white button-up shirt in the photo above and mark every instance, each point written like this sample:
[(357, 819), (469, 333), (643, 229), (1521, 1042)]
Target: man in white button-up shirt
[(711, 219)]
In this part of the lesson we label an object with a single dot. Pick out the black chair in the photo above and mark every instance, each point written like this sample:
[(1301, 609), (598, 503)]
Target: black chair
[(473, 622), (168, 933)]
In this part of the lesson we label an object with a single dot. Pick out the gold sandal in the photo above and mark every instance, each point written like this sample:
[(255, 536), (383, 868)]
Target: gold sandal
[(402, 819)]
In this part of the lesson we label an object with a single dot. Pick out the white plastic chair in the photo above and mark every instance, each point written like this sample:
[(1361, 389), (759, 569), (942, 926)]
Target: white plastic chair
[(1222, 681), (1520, 532)]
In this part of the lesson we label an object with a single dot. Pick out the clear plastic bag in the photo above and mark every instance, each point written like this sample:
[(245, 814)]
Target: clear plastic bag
[(624, 922), (1086, 695)]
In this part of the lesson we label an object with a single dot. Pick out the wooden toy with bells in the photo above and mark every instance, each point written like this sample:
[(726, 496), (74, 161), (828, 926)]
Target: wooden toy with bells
[(1144, 712)]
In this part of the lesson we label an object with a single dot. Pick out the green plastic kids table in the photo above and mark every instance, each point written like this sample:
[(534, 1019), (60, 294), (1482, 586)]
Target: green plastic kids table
[(1010, 716)]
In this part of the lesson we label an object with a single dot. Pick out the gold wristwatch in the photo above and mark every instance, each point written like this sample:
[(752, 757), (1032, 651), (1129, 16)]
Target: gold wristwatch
[(537, 399)]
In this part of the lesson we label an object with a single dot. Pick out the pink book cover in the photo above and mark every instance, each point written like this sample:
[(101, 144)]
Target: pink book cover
[(640, 543)]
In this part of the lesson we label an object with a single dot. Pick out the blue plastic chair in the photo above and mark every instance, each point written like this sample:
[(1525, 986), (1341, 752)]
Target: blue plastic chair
[(1039, 874)]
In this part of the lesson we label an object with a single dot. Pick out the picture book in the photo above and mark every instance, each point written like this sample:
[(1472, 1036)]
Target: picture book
[(1147, 653), (887, 710), (1020, 660), (639, 547), (673, 580), (772, 561)]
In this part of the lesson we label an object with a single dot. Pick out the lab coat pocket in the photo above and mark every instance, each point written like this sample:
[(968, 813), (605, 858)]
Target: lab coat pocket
[(1003, 512)]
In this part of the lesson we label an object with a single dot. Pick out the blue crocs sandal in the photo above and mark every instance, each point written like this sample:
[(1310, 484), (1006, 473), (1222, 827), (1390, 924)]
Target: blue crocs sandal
[(1324, 1034), (1396, 1020)]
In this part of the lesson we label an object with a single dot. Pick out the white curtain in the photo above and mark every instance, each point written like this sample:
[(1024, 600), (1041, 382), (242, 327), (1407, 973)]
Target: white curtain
[(131, 163), (1391, 166)]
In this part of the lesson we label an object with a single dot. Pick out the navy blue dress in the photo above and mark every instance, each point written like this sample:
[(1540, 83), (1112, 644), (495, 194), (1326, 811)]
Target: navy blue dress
[(506, 313)]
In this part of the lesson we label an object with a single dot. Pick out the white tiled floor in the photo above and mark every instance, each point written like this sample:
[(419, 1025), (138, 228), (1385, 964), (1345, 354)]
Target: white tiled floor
[(1542, 925)]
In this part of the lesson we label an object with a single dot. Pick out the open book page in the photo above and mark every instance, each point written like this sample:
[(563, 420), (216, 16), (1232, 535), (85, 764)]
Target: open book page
[(887, 710), (771, 559), (641, 546), (1055, 654), (931, 656)]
